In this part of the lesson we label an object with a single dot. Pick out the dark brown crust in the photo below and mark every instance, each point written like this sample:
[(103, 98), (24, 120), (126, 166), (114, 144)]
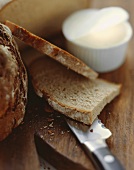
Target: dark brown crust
[(51, 50), (13, 84)]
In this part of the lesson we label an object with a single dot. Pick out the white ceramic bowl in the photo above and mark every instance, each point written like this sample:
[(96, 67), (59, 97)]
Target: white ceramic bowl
[(102, 59)]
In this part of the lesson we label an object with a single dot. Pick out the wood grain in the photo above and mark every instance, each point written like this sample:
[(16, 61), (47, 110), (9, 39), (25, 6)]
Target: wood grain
[(54, 141)]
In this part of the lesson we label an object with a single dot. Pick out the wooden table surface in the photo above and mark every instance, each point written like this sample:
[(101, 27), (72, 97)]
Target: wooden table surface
[(54, 141)]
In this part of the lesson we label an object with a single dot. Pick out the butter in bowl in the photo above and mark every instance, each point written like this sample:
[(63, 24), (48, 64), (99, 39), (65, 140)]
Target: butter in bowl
[(99, 37)]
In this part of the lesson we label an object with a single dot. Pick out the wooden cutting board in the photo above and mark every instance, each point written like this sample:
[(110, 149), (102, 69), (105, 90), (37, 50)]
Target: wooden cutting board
[(48, 133)]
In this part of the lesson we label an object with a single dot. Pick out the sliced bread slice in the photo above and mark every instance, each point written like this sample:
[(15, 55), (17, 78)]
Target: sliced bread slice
[(69, 93), (51, 50)]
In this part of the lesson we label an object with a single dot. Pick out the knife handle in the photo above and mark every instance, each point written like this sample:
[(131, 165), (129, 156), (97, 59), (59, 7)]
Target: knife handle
[(103, 159)]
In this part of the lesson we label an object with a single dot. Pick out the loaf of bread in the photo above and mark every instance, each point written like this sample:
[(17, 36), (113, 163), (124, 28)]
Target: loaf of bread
[(51, 50), (13, 84), (70, 93)]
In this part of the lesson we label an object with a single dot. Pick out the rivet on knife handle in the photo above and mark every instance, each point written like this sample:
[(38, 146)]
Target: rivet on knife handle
[(102, 158), (93, 139)]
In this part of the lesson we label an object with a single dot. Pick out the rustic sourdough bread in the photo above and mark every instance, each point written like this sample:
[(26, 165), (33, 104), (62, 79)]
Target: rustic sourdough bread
[(70, 93), (13, 84), (51, 50)]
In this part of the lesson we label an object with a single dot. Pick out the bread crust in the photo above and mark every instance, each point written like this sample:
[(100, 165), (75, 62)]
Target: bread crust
[(13, 84), (74, 113), (45, 70), (52, 51), (81, 115)]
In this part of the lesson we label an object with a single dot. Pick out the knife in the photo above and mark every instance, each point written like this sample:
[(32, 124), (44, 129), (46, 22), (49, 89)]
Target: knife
[(93, 141)]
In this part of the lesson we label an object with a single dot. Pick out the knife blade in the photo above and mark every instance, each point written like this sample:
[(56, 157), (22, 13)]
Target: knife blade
[(93, 140)]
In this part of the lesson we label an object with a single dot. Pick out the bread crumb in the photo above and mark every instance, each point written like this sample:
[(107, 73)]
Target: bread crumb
[(51, 125), (62, 132), (41, 136), (50, 132)]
